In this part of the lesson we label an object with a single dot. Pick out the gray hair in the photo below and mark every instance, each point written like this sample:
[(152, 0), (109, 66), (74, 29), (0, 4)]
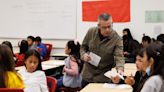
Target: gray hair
[(104, 17)]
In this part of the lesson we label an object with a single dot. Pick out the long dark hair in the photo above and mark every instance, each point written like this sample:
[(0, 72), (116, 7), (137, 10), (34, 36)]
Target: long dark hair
[(8, 44), (75, 52), (75, 48), (23, 47), (152, 51), (33, 52), (159, 66), (6, 63), (129, 35)]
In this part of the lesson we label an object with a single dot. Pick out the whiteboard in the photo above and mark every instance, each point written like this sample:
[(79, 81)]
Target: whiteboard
[(54, 19)]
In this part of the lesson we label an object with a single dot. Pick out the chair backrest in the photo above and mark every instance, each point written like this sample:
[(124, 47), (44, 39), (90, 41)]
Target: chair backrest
[(19, 59), (49, 48), (52, 83), (19, 63), (11, 90)]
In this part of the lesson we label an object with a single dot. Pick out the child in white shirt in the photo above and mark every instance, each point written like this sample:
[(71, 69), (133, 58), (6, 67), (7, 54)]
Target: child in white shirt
[(33, 76)]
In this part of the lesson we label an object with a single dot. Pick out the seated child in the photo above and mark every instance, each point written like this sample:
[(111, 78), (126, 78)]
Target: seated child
[(140, 77), (153, 65), (33, 76), (72, 68), (9, 78)]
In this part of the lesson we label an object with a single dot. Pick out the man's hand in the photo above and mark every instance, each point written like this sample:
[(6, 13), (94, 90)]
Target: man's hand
[(121, 72), (126, 53), (115, 79), (86, 57)]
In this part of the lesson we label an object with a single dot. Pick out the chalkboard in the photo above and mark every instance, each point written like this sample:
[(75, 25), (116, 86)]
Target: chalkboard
[(54, 19)]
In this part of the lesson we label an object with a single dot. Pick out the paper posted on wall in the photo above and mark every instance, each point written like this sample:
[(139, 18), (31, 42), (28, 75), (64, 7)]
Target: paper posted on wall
[(95, 59), (111, 74)]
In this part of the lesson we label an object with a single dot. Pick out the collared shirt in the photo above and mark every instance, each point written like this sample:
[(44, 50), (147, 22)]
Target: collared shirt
[(154, 84), (110, 49)]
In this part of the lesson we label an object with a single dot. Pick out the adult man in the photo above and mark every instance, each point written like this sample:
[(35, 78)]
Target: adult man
[(106, 43)]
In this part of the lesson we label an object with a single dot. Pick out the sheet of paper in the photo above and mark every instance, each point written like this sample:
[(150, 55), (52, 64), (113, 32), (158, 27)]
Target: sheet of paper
[(95, 59), (110, 74), (119, 86)]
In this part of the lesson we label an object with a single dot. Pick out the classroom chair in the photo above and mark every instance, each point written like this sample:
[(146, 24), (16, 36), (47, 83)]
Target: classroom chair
[(19, 59), (52, 83), (19, 63), (68, 89), (49, 49), (11, 90)]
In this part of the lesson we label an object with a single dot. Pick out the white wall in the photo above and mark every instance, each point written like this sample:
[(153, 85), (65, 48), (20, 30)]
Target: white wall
[(20, 18), (137, 23)]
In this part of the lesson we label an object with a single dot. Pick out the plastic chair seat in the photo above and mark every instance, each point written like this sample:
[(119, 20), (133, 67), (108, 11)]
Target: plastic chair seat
[(68, 89), (11, 90), (49, 48), (51, 83)]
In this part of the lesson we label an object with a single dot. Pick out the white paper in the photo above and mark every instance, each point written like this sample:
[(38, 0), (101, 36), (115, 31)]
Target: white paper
[(119, 86), (110, 74), (95, 59)]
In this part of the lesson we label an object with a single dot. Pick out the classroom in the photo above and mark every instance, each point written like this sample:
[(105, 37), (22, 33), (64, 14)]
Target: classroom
[(57, 23)]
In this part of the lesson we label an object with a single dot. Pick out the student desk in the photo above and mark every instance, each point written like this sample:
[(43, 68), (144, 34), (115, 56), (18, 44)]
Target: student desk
[(51, 67), (59, 56), (98, 87), (129, 68)]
